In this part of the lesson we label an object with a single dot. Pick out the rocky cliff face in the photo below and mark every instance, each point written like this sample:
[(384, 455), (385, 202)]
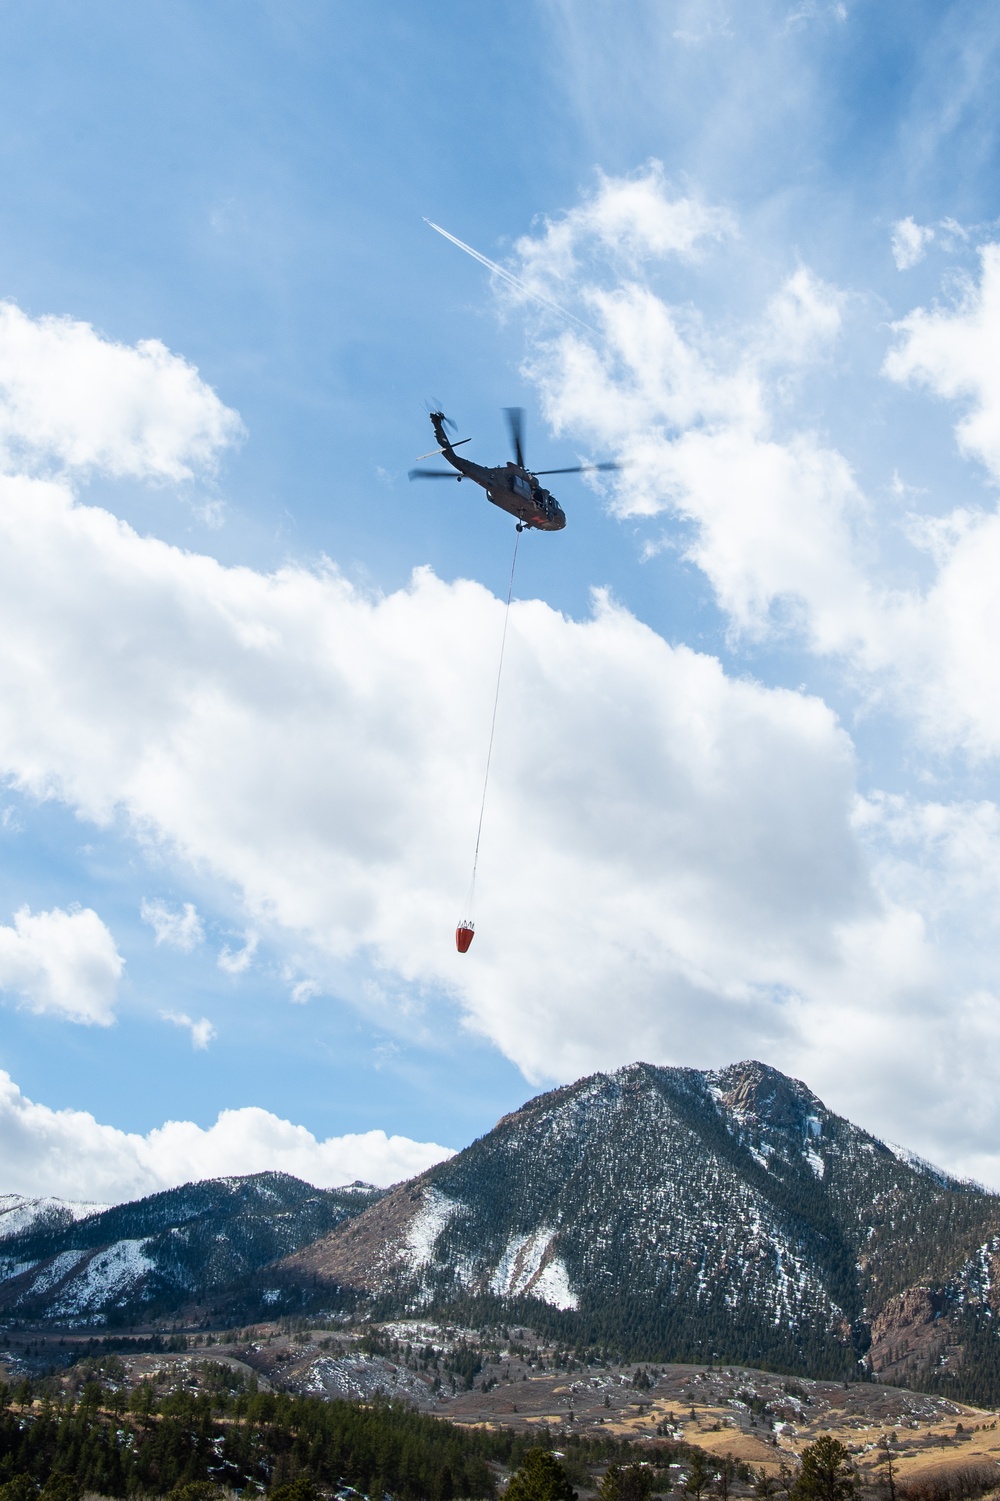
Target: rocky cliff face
[(688, 1211)]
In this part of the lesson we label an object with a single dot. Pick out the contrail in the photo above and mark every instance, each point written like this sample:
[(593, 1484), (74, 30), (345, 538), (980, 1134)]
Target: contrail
[(508, 277)]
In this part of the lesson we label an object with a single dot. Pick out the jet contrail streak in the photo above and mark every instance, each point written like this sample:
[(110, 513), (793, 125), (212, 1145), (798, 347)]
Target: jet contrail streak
[(509, 278)]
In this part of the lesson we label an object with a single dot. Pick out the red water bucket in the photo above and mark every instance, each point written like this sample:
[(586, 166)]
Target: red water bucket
[(464, 935)]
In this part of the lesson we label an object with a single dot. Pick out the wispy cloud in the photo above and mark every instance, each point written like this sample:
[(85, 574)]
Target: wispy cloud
[(239, 961), (178, 929), (202, 1031), (512, 281), (909, 242)]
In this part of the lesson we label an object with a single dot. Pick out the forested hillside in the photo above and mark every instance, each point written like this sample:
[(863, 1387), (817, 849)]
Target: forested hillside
[(139, 1260), (673, 1213)]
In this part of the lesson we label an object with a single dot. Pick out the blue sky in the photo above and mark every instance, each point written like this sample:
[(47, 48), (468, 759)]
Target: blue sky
[(247, 183)]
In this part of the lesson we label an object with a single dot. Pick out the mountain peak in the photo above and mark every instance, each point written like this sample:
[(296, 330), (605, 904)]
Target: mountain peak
[(755, 1091)]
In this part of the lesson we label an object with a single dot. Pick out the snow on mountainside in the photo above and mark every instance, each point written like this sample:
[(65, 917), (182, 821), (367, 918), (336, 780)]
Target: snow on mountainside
[(152, 1255), (19, 1214), (669, 1213), (723, 1210)]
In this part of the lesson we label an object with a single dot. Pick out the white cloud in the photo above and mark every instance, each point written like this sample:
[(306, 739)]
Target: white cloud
[(237, 962), (631, 218), (779, 524), (674, 864), (802, 319), (909, 243), (70, 1154), (321, 751), (774, 519), (74, 399), (651, 835), (304, 991), (180, 930), (65, 963), (953, 352), (202, 1032)]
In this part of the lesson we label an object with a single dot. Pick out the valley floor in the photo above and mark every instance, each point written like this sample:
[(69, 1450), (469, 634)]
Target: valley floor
[(517, 1382)]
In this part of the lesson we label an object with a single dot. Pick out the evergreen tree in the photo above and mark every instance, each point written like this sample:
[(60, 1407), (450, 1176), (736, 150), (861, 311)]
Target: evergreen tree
[(699, 1476), (301, 1489), (540, 1478), (626, 1483), (826, 1473)]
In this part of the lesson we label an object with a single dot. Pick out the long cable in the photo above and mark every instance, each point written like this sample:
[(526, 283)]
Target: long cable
[(493, 725)]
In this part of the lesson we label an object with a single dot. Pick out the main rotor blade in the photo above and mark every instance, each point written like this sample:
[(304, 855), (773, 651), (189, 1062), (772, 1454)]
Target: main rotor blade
[(441, 450), (581, 468), (515, 424), (432, 474), (431, 407)]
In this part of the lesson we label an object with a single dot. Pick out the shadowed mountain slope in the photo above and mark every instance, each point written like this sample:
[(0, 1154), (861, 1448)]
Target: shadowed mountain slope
[(133, 1261)]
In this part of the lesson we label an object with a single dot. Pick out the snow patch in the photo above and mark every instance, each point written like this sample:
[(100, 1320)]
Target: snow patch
[(59, 1267), (107, 1277), (425, 1227), (815, 1161), (528, 1265), (553, 1286), (11, 1269), (920, 1164), (360, 1376), (18, 1213)]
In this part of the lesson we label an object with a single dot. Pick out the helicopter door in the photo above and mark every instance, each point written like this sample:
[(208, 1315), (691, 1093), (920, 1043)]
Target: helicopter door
[(520, 487)]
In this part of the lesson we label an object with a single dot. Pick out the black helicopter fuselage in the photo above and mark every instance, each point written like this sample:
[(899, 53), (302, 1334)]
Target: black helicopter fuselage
[(513, 488)]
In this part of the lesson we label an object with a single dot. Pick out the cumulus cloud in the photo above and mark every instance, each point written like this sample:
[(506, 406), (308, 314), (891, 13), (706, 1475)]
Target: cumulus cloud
[(631, 218), (774, 518), (679, 864), (320, 749), (778, 522), (180, 930), (953, 352), (909, 243), (64, 963), (70, 1154), (70, 398), (202, 1032)]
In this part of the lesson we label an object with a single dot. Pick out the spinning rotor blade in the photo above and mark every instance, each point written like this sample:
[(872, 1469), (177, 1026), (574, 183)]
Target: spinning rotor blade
[(581, 468), (515, 424), (435, 406), (432, 474), (441, 450)]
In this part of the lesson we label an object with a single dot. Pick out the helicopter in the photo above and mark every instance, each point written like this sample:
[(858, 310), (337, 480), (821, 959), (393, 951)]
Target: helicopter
[(514, 487)]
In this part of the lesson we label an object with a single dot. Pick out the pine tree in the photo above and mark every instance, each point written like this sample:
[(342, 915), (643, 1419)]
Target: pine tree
[(540, 1478), (698, 1477), (626, 1483), (826, 1473)]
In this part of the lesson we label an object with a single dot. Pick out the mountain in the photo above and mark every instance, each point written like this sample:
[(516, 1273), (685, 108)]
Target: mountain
[(663, 1213), (682, 1213), (19, 1214), (135, 1261)]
